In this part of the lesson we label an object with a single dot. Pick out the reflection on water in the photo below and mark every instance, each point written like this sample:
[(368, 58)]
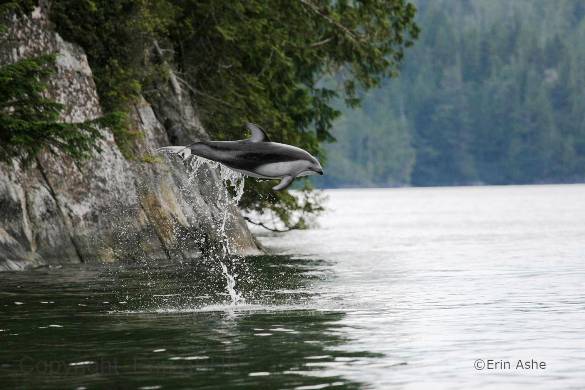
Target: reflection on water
[(171, 326), (440, 277), (398, 288)]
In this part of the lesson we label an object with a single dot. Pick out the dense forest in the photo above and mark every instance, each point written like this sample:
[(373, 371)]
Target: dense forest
[(241, 61), (492, 92)]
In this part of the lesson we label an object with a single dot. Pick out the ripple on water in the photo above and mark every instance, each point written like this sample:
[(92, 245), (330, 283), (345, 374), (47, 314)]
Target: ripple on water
[(241, 307)]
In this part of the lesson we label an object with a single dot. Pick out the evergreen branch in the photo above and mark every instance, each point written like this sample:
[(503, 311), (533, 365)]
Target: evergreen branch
[(331, 21)]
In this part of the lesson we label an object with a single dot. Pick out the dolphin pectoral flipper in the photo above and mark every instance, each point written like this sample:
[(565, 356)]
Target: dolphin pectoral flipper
[(284, 183)]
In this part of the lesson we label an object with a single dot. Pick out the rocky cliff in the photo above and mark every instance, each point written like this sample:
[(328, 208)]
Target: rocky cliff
[(108, 208)]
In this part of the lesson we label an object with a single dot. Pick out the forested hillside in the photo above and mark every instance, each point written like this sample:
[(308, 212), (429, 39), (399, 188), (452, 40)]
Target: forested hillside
[(493, 92), (238, 61)]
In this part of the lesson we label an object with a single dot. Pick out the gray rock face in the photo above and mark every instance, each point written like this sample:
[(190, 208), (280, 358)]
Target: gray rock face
[(108, 208)]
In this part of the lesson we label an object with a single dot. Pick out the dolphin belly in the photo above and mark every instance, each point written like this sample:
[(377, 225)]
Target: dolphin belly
[(279, 169), (250, 173), (267, 171)]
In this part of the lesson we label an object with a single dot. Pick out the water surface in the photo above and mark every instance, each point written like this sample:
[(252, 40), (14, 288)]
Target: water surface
[(398, 288)]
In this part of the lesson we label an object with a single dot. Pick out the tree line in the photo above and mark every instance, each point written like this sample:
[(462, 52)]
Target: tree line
[(493, 92), (241, 60)]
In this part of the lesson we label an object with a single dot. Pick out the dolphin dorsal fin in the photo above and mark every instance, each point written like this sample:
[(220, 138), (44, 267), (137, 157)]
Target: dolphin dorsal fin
[(258, 133)]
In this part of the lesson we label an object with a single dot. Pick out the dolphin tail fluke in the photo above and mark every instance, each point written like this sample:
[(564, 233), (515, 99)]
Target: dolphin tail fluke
[(183, 151), (284, 183)]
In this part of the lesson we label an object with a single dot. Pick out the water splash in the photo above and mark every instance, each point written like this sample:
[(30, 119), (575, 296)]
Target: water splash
[(236, 180), (235, 296)]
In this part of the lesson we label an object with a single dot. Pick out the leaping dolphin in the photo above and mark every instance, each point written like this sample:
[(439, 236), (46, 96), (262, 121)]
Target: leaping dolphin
[(256, 156)]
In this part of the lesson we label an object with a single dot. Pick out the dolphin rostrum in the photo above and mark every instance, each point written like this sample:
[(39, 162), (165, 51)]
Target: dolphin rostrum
[(256, 156)]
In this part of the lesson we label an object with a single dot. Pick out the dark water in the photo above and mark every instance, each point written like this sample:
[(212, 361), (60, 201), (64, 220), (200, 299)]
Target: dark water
[(153, 325), (402, 288)]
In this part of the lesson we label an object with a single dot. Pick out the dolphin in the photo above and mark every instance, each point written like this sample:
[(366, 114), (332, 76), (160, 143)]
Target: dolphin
[(256, 156)]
